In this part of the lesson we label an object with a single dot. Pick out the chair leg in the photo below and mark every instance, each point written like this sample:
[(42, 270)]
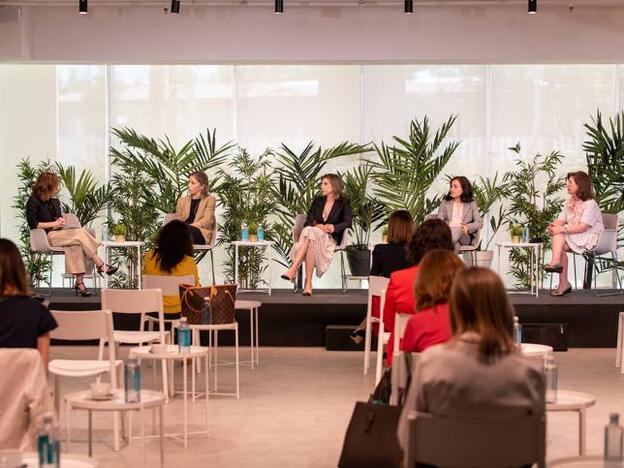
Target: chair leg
[(237, 363), (57, 394), (51, 269), (343, 274), (367, 342), (618, 351), (575, 278), (212, 265)]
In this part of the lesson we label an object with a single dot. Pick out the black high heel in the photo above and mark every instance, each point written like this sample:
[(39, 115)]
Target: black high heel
[(84, 292), (110, 270)]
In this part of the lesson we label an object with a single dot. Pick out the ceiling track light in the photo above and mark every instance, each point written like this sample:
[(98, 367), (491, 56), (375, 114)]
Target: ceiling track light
[(532, 7), (279, 7), (175, 6), (82, 7), (409, 7)]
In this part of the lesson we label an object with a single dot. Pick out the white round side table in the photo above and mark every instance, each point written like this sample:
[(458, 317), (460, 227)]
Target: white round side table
[(535, 350), (68, 460), (574, 401), (588, 461)]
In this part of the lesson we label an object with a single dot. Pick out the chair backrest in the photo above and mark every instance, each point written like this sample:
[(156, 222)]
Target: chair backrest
[(26, 397), (136, 301), (39, 241), (169, 217), (470, 441), (607, 242), (169, 285), (400, 322), (300, 220), (343, 242), (376, 287), (610, 221)]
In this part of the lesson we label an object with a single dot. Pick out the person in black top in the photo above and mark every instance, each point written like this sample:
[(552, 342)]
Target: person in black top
[(43, 211), (24, 321), (388, 258), (328, 219)]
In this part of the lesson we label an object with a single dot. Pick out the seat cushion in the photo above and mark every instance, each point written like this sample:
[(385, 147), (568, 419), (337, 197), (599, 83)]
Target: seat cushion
[(136, 336), (71, 367)]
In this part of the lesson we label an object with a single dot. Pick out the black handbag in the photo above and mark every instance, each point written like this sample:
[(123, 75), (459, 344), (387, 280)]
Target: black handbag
[(371, 440)]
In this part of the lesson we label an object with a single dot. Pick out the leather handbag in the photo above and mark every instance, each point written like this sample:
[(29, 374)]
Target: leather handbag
[(371, 440), (222, 299)]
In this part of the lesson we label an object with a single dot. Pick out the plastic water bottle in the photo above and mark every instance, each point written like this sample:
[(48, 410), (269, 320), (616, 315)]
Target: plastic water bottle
[(244, 232), (206, 312), (614, 449), (525, 234), (132, 383), (517, 331), (48, 444), (184, 336), (550, 374), (260, 232)]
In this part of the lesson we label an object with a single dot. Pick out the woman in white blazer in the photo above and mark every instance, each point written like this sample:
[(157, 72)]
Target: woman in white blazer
[(460, 211)]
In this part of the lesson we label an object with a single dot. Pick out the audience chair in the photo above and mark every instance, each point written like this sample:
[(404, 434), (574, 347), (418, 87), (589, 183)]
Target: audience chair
[(26, 397), (470, 250), (376, 287), (80, 326), (518, 440), (398, 361)]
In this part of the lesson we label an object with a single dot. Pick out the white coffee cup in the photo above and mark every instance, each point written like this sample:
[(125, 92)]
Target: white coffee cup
[(159, 348), (100, 389)]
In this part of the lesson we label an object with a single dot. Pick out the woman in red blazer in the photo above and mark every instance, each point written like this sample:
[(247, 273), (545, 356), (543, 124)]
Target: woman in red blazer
[(430, 235)]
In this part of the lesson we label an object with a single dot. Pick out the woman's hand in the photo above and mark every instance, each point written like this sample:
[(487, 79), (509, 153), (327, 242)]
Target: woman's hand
[(59, 223), (552, 230), (465, 229)]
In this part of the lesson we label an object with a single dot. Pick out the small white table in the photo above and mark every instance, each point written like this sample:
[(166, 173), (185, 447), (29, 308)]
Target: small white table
[(253, 307), (587, 461), (68, 460), (149, 399), (535, 350), (108, 245), (264, 244), (173, 354), (535, 256), (574, 401)]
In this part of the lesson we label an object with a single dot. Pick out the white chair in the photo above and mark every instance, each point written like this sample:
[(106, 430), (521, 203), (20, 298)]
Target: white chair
[(169, 286), (469, 250), (398, 363), (376, 287), (40, 244), (607, 244), (79, 326), (476, 441)]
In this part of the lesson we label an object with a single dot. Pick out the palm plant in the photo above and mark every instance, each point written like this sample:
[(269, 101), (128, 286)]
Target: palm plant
[(297, 184), (406, 170), (86, 198), (532, 205), (488, 192)]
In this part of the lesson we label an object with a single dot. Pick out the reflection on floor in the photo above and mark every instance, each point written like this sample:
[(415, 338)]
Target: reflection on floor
[(295, 406)]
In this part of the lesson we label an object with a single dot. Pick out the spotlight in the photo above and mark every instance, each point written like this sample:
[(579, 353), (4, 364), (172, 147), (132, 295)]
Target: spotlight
[(532, 7), (279, 7), (175, 6), (82, 7), (409, 7)]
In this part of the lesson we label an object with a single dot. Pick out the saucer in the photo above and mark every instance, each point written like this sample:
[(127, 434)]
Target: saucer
[(110, 396)]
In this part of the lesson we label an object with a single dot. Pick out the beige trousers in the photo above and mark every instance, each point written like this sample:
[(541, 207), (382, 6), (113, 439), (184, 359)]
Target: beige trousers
[(80, 249)]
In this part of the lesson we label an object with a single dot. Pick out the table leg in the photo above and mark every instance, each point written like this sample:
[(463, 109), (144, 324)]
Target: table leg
[(207, 393), (257, 342), (142, 414), (538, 278), (236, 264), (140, 270), (530, 252), (107, 260), (251, 333), (185, 403), (193, 378), (162, 436), (90, 434), (582, 422), (498, 266), (270, 257)]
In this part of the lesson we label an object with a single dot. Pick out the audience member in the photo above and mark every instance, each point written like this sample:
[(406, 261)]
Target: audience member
[(479, 372), (432, 234), (24, 321), (328, 219), (172, 256), (460, 211), (197, 209), (43, 211), (430, 324), (578, 228)]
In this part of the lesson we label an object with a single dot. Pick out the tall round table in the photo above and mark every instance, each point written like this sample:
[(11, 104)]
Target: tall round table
[(574, 401)]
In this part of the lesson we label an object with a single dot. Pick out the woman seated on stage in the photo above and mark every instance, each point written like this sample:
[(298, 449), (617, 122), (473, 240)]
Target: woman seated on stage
[(24, 321), (197, 209), (43, 211), (328, 219), (432, 234), (479, 372), (578, 228), (430, 324), (172, 255), (460, 211), (388, 258)]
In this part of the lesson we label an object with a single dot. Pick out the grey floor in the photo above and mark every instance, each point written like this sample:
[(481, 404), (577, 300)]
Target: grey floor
[(294, 409)]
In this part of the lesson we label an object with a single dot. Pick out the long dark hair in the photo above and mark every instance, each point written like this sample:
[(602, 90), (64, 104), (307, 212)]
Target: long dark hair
[(431, 234), (173, 243), (466, 195), (12, 271)]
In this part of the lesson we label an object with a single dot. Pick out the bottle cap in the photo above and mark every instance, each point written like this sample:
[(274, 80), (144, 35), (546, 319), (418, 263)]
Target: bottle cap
[(48, 418), (614, 418)]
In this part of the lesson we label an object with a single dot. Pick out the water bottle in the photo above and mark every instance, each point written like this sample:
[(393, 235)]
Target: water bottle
[(260, 232), (184, 336), (244, 232), (525, 234), (613, 448), (132, 383), (550, 373), (48, 444), (206, 312), (517, 331)]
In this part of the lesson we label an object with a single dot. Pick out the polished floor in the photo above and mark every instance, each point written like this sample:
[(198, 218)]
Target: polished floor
[(294, 409)]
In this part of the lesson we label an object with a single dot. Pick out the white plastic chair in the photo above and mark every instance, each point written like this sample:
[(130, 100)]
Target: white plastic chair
[(39, 243), (79, 326), (470, 249), (607, 244), (486, 442), (398, 374), (376, 287)]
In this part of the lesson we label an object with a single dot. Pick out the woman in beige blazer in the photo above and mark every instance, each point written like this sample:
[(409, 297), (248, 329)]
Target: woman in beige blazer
[(460, 211), (479, 372), (197, 209)]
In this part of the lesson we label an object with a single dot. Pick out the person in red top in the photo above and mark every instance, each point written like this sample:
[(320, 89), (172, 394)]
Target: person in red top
[(432, 234), (430, 324)]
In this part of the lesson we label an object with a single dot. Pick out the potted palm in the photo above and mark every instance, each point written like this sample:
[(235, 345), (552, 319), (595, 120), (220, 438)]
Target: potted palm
[(516, 233), (119, 232), (253, 232)]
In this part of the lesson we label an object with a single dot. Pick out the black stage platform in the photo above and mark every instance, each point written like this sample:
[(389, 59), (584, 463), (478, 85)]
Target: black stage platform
[(288, 319)]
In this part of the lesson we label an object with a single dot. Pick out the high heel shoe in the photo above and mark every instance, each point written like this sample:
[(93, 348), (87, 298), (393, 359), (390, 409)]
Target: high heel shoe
[(83, 291), (110, 270), (288, 278)]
